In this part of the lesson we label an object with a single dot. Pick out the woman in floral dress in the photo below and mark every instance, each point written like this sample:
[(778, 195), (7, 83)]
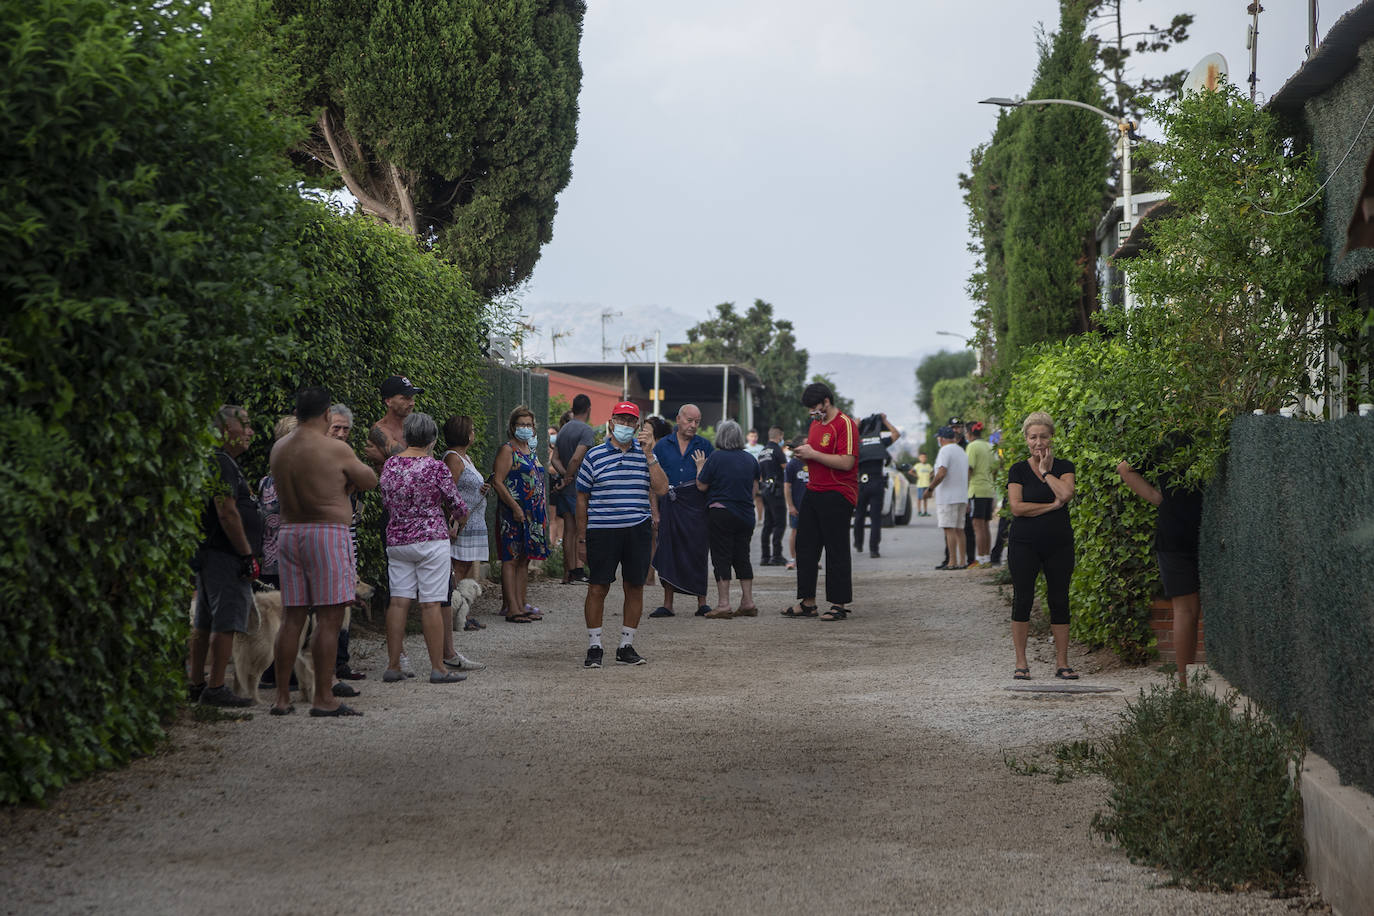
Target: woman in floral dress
[(518, 479)]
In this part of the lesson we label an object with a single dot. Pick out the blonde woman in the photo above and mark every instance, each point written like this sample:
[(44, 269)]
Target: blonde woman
[(1039, 490)]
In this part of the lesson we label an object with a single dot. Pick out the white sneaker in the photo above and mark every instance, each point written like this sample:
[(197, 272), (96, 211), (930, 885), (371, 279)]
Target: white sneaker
[(405, 666), (463, 663)]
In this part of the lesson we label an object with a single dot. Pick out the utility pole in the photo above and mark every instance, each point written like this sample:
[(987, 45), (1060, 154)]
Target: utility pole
[(606, 316), (1252, 42), (1311, 28)]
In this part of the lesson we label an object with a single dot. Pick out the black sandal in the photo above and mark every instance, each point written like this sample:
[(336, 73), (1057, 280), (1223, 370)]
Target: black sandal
[(1066, 674), (807, 610), (835, 613)]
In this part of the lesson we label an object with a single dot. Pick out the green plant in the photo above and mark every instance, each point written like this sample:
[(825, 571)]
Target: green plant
[(145, 243), (553, 566), (1204, 791)]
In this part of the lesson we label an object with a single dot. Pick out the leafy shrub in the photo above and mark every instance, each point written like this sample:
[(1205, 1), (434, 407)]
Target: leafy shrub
[(145, 239), (1205, 792)]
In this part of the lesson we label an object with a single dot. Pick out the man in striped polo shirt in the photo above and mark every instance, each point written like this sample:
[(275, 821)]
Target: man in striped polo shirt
[(613, 517)]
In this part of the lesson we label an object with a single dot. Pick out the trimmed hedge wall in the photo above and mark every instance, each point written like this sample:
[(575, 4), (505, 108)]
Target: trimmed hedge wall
[(156, 261), (372, 305), (1287, 549), (146, 226)]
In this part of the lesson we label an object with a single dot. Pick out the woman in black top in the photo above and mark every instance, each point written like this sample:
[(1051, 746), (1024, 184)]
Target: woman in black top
[(1041, 539)]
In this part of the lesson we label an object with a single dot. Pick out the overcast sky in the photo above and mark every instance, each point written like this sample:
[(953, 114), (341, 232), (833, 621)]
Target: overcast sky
[(806, 152)]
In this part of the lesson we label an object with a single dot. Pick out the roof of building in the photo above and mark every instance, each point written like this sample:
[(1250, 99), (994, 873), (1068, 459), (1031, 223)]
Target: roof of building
[(1338, 52)]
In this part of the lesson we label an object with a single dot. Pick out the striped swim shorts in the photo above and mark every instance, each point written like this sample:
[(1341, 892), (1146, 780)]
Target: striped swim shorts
[(315, 563)]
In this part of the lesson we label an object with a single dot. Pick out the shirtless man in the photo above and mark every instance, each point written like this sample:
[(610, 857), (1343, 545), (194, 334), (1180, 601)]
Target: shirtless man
[(385, 438), (315, 475)]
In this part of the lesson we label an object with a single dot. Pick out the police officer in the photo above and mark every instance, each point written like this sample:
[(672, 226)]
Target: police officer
[(772, 464), (875, 435)]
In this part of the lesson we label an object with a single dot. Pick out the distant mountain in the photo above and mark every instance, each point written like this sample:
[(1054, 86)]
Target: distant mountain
[(877, 384)]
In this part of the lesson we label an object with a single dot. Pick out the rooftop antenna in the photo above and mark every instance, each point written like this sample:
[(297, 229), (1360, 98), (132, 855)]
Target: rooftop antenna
[(606, 316), (556, 336)]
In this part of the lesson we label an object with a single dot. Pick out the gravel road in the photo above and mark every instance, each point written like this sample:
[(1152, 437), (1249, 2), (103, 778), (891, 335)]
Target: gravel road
[(754, 765)]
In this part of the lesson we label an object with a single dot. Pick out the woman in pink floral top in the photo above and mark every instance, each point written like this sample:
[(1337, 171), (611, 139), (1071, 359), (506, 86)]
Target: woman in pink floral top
[(420, 498)]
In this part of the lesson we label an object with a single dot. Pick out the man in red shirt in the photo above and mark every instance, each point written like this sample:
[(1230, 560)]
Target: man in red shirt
[(831, 453)]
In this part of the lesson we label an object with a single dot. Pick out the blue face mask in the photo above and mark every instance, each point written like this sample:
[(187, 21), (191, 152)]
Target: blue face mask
[(622, 434), (524, 434)]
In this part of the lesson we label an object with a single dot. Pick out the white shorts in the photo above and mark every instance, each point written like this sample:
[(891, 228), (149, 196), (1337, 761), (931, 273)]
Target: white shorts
[(419, 570), (950, 515)]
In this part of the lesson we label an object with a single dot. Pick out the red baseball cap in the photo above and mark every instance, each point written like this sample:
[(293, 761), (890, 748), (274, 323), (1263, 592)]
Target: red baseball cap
[(626, 407)]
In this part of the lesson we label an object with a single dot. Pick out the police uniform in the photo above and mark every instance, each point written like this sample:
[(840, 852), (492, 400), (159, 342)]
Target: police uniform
[(873, 444)]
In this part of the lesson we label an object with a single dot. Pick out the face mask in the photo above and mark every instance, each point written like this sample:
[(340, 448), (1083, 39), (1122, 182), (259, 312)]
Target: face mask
[(818, 415), (622, 434), (524, 434), (553, 439), (787, 452)]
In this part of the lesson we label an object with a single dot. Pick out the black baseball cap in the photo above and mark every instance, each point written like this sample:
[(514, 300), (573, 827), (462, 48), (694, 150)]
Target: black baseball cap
[(399, 384), (955, 421)]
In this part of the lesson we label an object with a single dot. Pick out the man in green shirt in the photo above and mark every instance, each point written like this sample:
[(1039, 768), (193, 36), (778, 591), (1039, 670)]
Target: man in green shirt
[(982, 491)]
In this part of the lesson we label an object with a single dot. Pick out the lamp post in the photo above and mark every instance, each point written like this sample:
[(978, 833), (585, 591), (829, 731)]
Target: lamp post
[(1125, 131), (968, 342)]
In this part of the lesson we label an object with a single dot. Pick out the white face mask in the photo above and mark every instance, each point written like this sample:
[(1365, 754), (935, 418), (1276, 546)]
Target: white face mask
[(621, 433), (524, 434)]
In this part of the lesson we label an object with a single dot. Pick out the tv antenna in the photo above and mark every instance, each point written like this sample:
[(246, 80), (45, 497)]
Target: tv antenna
[(556, 336), (606, 316)]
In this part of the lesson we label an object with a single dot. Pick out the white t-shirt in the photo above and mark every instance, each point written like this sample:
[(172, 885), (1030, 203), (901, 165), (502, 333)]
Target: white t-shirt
[(954, 488)]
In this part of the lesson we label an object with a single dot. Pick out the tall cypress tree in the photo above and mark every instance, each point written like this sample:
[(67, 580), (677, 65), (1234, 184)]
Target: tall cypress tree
[(1057, 190)]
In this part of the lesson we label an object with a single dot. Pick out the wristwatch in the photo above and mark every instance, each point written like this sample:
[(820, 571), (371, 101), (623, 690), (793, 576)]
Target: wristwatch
[(652, 461)]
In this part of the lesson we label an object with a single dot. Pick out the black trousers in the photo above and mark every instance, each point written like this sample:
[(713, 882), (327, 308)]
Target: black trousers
[(869, 508), (823, 524), (729, 536), (774, 522), (1025, 561), (999, 543)]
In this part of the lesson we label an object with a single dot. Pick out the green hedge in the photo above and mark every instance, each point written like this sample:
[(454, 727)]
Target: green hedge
[(1288, 543), (371, 305), (145, 238), (157, 261), (1110, 399)]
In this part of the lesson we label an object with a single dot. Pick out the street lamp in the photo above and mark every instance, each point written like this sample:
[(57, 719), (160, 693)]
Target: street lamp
[(1125, 130), (968, 342)]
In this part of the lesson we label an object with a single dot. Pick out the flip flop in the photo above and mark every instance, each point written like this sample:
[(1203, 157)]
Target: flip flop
[(282, 711), (342, 710), (533, 613), (519, 618), (471, 624), (344, 690), (1067, 674), (807, 610), (751, 611), (1021, 674)]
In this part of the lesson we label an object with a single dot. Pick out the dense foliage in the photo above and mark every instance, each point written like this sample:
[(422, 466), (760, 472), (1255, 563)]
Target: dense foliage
[(157, 262), (145, 238), (452, 119), (1234, 274), (1058, 190), (376, 306), (755, 339), (1204, 791)]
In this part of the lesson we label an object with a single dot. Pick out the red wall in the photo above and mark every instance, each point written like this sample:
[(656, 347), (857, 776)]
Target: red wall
[(604, 397)]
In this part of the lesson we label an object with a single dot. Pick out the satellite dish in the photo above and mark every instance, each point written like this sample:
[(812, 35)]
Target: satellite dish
[(1206, 75)]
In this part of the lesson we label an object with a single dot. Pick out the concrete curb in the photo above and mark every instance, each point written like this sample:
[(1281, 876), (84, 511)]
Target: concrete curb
[(1338, 831)]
